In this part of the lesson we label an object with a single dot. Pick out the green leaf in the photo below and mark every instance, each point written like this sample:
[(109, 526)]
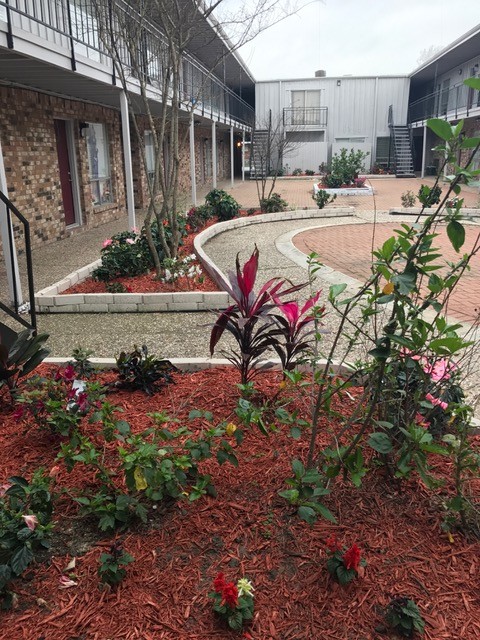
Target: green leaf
[(289, 494), (473, 83), (456, 234), (308, 514), (295, 433), (5, 576), (336, 289), (470, 143), (298, 468), (441, 128), (20, 560), (324, 512), (380, 442)]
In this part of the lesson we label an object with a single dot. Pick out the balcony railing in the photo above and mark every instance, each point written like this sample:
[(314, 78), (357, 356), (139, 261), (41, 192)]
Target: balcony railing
[(72, 25), (453, 102), (305, 117)]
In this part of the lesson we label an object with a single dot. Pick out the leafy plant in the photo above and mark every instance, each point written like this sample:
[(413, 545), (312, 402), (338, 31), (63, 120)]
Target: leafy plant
[(25, 354), (343, 563), (403, 616), (181, 267), (332, 181), (309, 172), (233, 602), (307, 486), (197, 217), (248, 318), (112, 569), (81, 363), (429, 196), (112, 509), (223, 205), (297, 172), (138, 370), (322, 198), (274, 204), (123, 255), (116, 287), (346, 165), (408, 199), (25, 513)]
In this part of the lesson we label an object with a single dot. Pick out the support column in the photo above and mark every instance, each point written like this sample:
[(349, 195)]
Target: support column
[(243, 156), (232, 171), (193, 176), (127, 157), (214, 154), (424, 150), (13, 277)]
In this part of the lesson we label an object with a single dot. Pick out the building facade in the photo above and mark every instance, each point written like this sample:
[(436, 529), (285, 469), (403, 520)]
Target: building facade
[(321, 115)]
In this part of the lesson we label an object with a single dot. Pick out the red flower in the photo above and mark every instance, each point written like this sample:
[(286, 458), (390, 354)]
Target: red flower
[(18, 413), (332, 543), (69, 373), (219, 583), (230, 595), (351, 558)]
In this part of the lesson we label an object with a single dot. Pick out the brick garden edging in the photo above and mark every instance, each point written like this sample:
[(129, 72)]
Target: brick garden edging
[(50, 300)]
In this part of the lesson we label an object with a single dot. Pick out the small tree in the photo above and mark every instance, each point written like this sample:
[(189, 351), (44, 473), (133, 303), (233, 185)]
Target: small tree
[(149, 41)]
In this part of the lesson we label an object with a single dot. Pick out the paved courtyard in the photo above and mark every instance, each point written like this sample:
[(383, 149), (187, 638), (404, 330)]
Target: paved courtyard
[(349, 249)]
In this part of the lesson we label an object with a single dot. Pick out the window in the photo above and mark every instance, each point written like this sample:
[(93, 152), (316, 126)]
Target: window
[(355, 139), (3, 14), (99, 164), (150, 155), (306, 105)]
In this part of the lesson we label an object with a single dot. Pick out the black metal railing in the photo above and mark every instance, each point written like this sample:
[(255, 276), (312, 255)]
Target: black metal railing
[(456, 101), (74, 22), (13, 309), (305, 116)]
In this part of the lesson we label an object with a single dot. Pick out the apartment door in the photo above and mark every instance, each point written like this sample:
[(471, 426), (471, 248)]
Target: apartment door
[(65, 171)]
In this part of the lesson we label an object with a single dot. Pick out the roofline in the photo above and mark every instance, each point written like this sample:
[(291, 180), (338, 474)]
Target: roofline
[(373, 76), (463, 38)]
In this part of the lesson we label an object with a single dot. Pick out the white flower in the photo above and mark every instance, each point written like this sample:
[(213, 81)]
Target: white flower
[(66, 582), (245, 587), (168, 275)]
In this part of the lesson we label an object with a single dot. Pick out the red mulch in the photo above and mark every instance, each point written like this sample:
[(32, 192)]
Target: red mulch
[(246, 531), (148, 284)]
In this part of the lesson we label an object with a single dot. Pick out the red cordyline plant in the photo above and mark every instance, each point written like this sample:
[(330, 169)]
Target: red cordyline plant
[(343, 564), (293, 328), (248, 320)]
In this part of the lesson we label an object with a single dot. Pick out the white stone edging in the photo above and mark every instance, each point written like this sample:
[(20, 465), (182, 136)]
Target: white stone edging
[(415, 211), (51, 300), (347, 191)]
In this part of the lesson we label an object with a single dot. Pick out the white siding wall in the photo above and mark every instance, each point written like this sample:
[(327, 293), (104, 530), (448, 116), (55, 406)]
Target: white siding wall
[(357, 108)]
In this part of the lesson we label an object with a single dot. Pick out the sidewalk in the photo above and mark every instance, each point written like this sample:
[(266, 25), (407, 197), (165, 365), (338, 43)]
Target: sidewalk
[(186, 334)]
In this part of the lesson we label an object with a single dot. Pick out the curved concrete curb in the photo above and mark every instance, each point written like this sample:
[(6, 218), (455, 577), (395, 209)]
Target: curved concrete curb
[(467, 212), (305, 214), (48, 300)]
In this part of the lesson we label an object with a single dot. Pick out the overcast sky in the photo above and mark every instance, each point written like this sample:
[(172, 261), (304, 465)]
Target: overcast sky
[(351, 37)]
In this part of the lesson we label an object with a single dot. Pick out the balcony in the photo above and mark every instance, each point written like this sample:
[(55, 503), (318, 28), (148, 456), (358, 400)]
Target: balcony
[(453, 103), (305, 117), (36, 34)]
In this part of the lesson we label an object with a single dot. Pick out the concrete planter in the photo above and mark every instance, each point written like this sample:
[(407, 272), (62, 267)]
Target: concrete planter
[(353, 191), (50, 300)]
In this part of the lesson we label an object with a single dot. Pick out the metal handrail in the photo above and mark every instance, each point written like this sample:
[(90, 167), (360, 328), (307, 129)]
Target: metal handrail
[(59, 20), (10, 209), (456, 99), (305, 116)]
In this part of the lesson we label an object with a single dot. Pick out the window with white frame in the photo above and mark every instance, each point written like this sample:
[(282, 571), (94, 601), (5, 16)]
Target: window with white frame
[(98, 163), (307, 107), (149, 155)]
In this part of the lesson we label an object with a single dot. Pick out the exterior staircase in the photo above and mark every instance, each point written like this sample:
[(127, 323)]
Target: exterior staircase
[(260, 156), (402, 148), (10, 305), (401, 145)]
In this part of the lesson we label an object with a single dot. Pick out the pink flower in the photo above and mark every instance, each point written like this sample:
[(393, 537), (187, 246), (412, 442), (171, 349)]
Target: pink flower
[(130, 241), (31, 521), (66, 582), (440, 370), (106, 243), (18, 413), (69, 373), (54, 471), (406, 353), (135, 230), (420, 421), (436, 401)]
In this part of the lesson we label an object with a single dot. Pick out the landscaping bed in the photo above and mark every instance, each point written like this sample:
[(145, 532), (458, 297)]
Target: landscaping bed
[(248, 530)]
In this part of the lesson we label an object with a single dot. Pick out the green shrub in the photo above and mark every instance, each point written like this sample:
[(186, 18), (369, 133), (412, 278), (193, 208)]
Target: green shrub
[(223, 205), (429, 196), (197, 217), (346, 165), (332, 181), (408, 199), (322, 198), (273, 204), (297, 172), (309, 172), (138, 370), (25, 354)]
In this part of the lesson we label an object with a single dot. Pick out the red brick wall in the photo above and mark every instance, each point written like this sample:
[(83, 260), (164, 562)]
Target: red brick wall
[(31, 162)]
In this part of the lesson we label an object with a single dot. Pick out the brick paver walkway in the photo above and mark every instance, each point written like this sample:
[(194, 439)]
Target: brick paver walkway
[(298, 193), (347, 249)]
